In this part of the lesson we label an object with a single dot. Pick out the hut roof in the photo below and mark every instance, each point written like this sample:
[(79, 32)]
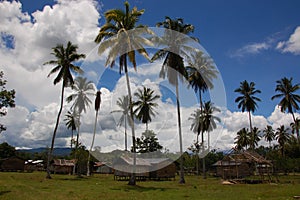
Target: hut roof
[(63, 162), (139, 161)]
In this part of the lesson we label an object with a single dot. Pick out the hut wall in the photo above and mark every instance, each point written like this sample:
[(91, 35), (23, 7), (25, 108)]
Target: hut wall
[(12, 164)]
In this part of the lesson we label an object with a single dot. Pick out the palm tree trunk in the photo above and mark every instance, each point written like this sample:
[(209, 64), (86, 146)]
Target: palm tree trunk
[(54, 132), (203, 159), (251, 132), (132, 180), (297, 130), (182, 181), (125, 127), (72, 139), (75, 151), (93, 140)]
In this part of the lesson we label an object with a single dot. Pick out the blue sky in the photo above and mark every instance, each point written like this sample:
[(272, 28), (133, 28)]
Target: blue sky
[(249, 40), (227, 29)]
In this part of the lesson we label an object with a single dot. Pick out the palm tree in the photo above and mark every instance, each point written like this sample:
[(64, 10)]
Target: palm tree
[(282, 136), (123, 43), (71, 119), (145, 105), (254, 137), (208, 124), (289, 100), (173, 65), (247, 100), (295, 125), (63, 65), (123, 104), (97, 107), (80, 98), (269, 134), (201, 72), (242, 140)]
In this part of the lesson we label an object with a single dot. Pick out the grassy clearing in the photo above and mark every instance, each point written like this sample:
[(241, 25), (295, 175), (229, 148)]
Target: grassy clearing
[(35, 186)]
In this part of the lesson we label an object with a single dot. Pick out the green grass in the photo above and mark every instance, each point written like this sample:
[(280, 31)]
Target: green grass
[(35, 186)]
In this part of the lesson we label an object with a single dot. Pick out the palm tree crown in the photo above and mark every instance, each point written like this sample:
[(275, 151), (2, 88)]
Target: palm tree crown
[(83, 89), (289, 100), (269, 134), (145, 105), (64, 67), (282, 136)]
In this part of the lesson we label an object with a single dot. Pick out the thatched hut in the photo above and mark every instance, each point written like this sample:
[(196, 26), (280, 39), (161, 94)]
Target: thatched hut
[(102, 168), (12, 164), (162, 168), (156, 168), (124, 165), (62, 166), (242, 164)]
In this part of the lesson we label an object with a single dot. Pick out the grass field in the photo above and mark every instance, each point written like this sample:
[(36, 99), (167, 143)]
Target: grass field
[(27, 186)]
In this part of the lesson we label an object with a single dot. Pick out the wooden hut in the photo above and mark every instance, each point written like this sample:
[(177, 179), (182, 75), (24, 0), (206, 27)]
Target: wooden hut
[(242, 164), (62, 166), (157, 168), (162, 168), (124, 165), (102, 168), (12, 164)]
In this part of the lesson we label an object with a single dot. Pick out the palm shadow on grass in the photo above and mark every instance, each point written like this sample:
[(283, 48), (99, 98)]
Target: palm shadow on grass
[(4, 192)]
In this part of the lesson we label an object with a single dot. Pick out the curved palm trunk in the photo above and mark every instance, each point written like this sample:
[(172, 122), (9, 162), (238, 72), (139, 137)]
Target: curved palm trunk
[(93, 140), (202, 136), (72, 139), (251, 132), (132, 180), (54, 132), (180, 137)]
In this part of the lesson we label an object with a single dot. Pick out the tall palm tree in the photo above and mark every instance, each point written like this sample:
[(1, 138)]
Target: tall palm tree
[(64, 67), (208, 125), (97, 107), (289, 100), (71, 119), (242, 139), (123, 103), (247, 100), (282, 136), (145, 105), (83, 89), (269, 134), (120, 27), (173, 65)]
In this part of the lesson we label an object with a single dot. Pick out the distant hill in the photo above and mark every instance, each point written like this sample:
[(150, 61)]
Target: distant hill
[(56, 151)]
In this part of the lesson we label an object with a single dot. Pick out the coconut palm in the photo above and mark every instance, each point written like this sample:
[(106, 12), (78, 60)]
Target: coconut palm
[(97, 107), (124, 39), (269, 134), (71, 119), (295, 125), (208, 124), (83, 89), (64, 67), (282, 136), (123, 104), (201, 72), (247, 100), (145, 105), (242, 139), (176, 49), (289, 100), (254, 137)]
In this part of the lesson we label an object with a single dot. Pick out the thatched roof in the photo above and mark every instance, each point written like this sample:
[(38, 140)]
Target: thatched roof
[(238, 157), (63, 162)]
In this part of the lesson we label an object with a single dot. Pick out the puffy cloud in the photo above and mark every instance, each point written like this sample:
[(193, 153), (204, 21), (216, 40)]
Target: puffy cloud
[(292, 45)]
